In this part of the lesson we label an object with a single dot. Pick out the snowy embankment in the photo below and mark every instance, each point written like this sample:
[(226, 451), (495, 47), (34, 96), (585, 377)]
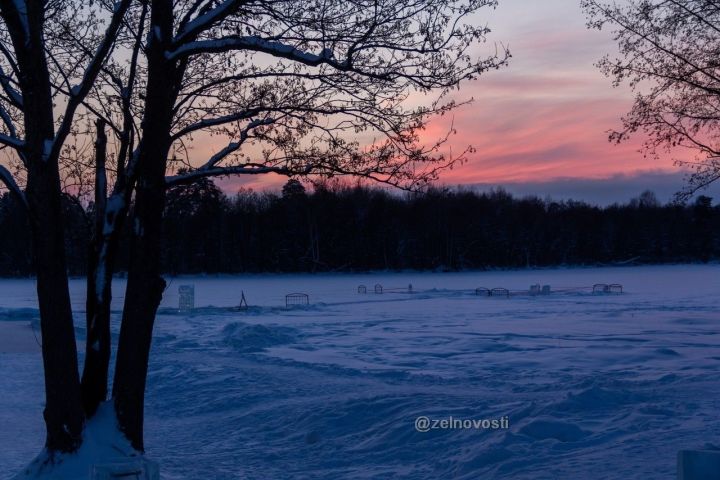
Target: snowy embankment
[(595, 386)]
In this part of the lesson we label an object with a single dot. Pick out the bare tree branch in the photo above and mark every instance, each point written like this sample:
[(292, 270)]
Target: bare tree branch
[(80, 91), (668, 55), (9, 182), (13, 142)]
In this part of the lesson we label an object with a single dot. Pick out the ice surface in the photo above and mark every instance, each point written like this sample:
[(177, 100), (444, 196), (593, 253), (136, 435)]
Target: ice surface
[(595, 386), (18, 337)]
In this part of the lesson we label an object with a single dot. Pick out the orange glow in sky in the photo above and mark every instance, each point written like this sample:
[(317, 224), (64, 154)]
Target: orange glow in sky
[(544, 118)]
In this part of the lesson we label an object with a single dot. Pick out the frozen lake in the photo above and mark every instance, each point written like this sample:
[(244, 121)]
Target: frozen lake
[(594, 386)]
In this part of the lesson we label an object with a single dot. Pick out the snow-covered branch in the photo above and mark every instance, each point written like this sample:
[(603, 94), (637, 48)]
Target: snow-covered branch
[(15, 12), (207, 17), (7, 179), (12, 94), (189, 177), (8, 121), (235, 146), (13, 142), (257, 44), (212, 122)]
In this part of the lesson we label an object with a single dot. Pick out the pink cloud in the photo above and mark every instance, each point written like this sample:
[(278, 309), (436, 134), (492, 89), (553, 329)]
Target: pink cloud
[(544, 117)]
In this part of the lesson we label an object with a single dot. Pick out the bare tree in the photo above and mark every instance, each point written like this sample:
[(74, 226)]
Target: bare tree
[(319, 88), (668, 55), (34, 59), (332, 88)]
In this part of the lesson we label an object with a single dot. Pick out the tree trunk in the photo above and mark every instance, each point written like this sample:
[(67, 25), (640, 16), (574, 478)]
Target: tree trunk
[(99, 291), (63, 409), (144, 292), (63, 413), (145, 286)]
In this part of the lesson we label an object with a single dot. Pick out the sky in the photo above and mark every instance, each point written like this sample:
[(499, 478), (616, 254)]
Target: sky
[(539, 126)]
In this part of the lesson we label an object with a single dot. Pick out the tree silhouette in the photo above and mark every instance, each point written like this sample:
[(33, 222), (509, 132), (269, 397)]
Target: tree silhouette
[(325, 89), (668, 57)]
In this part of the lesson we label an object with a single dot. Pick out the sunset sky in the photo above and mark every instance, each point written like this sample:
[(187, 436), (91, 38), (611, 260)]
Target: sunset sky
[(539, 125)]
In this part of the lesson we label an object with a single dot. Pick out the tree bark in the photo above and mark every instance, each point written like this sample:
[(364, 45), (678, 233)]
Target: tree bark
[(99, 291), (144, 292), (145, 286), (63, 411)]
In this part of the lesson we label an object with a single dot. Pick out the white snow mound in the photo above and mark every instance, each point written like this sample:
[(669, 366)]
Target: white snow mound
[(102, 443)]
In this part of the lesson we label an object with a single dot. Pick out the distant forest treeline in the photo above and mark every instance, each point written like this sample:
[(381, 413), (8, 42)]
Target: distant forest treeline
[(360, 228)]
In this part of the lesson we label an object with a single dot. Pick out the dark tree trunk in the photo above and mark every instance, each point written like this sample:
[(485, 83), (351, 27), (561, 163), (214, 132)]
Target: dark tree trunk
[(63, 410), (99, 292), (63, 413), (144, 292), (145, 286)]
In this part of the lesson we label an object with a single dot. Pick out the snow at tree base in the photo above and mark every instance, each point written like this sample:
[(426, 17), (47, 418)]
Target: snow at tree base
[(101, 440), (595, 386)]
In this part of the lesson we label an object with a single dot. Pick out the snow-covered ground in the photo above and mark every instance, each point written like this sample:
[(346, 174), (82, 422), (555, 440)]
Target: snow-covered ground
[(595, 386)]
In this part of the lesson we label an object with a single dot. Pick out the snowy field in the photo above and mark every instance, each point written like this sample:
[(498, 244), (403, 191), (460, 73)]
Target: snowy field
[(594, 386)]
